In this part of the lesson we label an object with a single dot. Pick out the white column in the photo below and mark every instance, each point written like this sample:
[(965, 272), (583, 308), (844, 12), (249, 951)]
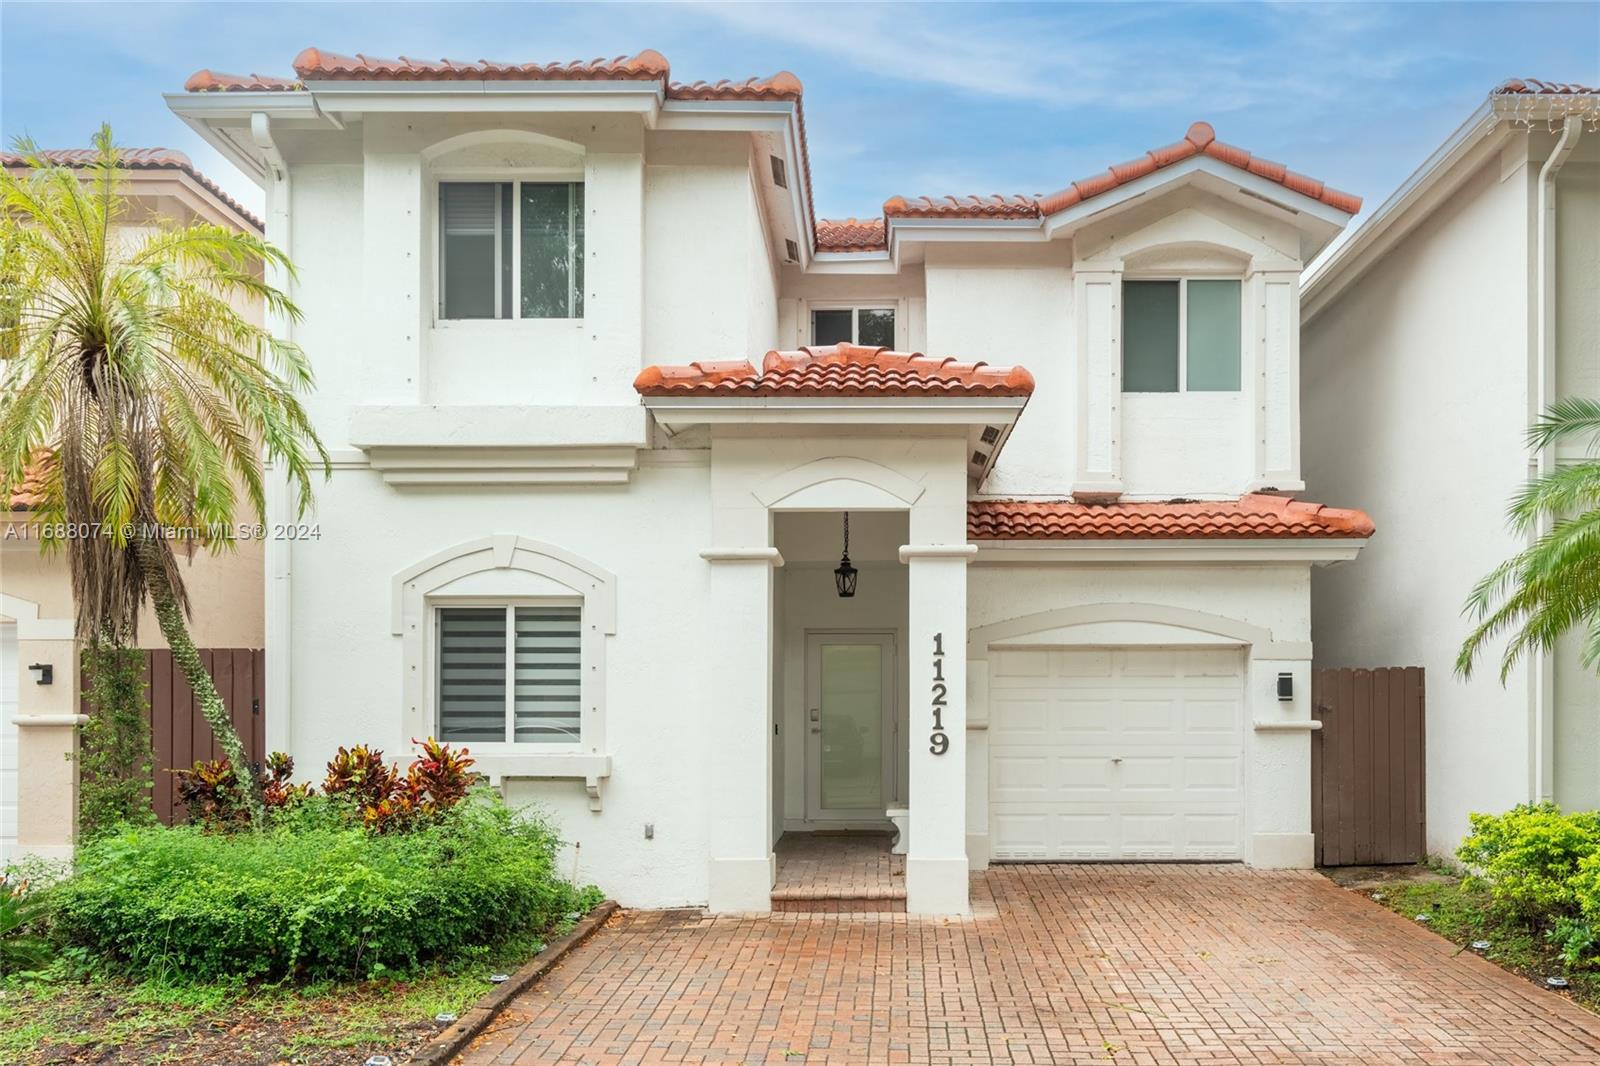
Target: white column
[(936, 863), (739, 729), (1097, 306), (1279, 750), (1272, 376)]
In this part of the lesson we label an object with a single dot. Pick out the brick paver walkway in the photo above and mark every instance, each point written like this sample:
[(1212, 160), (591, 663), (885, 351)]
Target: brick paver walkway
[(1106, 964), (839, 873)]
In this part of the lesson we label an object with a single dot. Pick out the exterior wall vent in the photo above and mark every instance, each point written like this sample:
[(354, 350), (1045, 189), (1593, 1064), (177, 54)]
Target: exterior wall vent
[(780, 176), (792, 249)]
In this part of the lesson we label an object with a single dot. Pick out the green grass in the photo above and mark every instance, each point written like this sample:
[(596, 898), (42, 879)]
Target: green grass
[(62, 1017), (1465, 912)]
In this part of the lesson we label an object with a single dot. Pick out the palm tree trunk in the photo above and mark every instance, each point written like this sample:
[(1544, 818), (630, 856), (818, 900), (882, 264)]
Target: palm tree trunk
[(170, 617)]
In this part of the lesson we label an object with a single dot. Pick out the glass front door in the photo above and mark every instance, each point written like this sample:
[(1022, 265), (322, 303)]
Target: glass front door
[(849, 711)]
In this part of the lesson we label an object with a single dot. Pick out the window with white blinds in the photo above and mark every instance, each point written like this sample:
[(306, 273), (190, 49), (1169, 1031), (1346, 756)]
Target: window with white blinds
[(537, 700)]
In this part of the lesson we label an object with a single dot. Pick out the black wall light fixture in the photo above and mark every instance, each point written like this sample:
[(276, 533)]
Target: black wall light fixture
[(1285, 688)]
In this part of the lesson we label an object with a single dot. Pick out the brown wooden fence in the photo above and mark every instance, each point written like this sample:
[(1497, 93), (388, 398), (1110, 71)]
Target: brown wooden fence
[(179, 734), (1367, 766)]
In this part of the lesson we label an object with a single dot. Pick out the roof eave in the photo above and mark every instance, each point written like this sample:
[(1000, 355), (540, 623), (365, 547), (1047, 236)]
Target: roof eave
[(1316, 551)]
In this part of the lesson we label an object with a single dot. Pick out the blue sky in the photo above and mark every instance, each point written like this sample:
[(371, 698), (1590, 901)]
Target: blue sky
[(899, 98)]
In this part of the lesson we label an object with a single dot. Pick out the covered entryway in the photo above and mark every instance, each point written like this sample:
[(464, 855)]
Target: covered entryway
[(1117, 753)]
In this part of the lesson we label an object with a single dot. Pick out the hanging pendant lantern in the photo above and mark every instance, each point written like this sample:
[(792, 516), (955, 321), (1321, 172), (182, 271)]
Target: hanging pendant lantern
[(844, 575)]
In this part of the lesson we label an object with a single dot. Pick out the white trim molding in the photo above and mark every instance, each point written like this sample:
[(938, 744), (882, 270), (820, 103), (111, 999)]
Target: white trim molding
[(1319, 551), (25, 613), (413, 594)]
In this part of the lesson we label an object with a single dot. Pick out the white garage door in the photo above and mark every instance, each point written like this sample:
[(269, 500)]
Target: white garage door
[(8, 738), (1116, 753)]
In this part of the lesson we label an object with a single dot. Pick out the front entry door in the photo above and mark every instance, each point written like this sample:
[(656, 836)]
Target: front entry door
[(850, 685)]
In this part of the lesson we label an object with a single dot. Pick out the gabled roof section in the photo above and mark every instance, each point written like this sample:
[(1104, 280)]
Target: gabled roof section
[(1201, 139), (139, 159), (857, 235), (1253, 517), (839, 370)]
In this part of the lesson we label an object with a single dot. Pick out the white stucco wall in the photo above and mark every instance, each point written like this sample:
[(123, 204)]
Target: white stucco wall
[(1415, 387), (1009, 305), (348, 666)]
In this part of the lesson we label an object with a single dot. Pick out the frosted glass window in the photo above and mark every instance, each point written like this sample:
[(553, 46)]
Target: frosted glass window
[(1213, 336), (537, 701), (510, 249), (852, 727), (1150, 336)]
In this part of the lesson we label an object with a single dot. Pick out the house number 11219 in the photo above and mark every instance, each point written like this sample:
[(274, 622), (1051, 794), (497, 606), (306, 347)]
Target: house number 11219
[(938, 740)]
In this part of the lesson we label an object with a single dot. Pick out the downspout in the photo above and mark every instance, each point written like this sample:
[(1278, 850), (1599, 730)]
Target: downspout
[(279, 551), (1544, 462)]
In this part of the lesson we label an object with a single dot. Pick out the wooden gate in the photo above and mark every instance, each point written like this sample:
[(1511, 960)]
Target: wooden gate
[(179, 733), (1368, 794)]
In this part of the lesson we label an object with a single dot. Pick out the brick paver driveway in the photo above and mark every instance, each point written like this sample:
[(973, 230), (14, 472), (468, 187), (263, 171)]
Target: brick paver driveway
[(1108, 964)]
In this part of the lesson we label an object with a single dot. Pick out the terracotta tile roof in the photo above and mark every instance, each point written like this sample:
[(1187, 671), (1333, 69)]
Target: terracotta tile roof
[(1554, 88), (836, 370), (1254, 517), (215, 81), (1201, 139), (994, 206), (28, 493), (315, 64), (137, 159), (851, 235), (781, 86)]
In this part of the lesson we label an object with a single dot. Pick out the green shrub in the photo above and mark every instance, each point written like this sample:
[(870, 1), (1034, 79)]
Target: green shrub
[(1530, 856), (21, 914), (114, 759), (314, 896)]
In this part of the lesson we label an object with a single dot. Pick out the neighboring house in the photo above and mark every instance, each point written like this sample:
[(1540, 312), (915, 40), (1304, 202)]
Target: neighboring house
[(36, 614), (602, 395), (1433, 337)]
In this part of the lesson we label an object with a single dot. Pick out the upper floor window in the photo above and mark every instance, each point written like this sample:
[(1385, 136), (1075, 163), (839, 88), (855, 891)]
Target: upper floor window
[(1181, 336), (510, 673), (510, 249), (871, 326)]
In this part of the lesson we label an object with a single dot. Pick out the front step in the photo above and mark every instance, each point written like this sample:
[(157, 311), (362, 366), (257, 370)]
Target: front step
[(843, 901)]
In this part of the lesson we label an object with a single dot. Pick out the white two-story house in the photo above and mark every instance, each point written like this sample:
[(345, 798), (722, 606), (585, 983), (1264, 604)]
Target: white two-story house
[(606, 400)]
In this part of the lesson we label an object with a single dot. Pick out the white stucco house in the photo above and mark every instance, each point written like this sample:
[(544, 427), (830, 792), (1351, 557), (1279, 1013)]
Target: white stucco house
[(1432, 338), (603, 394)]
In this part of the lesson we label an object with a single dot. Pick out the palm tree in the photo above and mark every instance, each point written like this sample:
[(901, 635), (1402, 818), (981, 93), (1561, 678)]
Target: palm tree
[(140, 398), (1553, 585)]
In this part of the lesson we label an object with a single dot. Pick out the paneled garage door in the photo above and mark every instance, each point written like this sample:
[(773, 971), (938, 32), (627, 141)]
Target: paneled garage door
[(1116, 753)]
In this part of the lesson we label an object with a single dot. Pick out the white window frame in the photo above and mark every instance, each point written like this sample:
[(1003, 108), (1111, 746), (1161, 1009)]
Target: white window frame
[(1183, 331), (855, 307), (516, 178), (436, 604)]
